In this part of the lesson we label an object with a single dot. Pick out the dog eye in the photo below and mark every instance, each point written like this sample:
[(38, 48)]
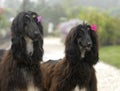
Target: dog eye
[(80, 35), (34, 16), (88, 28), (27, 19), (27, 16)]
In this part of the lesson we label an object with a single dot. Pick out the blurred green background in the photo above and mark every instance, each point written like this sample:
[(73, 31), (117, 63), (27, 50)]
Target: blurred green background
[(104, 13)]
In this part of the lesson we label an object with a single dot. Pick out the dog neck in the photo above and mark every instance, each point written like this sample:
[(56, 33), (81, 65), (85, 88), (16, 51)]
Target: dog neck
[(29, 46), (82, 53)]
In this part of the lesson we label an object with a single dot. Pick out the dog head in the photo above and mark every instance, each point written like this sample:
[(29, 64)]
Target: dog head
[(83, 38), (27, 36), (81, 41), (38, 20), (25, 25)]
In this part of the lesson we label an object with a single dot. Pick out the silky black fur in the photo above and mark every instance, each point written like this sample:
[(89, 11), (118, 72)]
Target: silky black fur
[(73, 70), (18, 68)]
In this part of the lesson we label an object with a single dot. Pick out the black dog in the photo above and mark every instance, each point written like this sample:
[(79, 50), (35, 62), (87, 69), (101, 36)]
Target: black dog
[(20, 67), (75, 71)]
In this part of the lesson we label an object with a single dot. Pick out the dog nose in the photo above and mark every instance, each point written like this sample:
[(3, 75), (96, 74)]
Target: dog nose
[(89, 44), (37, 33)]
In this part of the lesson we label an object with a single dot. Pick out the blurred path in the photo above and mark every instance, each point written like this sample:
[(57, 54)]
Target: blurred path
[(53, 48), (108, 77)]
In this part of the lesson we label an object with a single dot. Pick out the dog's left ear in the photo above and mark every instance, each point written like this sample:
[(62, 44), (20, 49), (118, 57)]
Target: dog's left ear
[(38, 51), (93, 56)]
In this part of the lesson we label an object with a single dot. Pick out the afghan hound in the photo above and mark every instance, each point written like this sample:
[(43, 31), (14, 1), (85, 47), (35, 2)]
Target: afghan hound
[(75, 72), (20, 67)]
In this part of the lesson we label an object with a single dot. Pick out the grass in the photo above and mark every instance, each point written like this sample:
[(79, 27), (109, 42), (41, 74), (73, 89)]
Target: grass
[(110, 55)]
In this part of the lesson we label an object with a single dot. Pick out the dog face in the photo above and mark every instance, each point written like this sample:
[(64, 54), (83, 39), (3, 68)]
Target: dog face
[(27, 36), (83, 37), (25, 25), (37, 19), (81, 42), (31, 28)]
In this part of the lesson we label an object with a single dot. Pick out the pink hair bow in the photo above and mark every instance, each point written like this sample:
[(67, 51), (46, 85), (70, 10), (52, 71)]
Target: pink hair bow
[(39, 18), (93, 27)]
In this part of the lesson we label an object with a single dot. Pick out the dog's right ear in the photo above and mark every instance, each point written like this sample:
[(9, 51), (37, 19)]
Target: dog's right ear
[(71, 47), (17, 30), (18, 24), (17, 47)]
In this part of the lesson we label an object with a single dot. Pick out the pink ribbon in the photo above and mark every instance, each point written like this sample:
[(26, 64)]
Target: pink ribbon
[(39, 18), (93, 27)]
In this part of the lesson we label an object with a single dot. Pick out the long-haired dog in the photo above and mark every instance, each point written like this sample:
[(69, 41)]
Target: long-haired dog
[(75, 71), (20, 67)]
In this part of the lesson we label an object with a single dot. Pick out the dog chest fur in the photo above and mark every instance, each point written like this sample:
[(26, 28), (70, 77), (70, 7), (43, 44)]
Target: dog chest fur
[(31, 87), (78, 89), (29, 45), (29, 78)]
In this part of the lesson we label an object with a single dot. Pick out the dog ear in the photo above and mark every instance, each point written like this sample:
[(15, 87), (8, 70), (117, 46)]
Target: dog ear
[(93, 56), (38, 50), (71, 48), (18, 49), (18, 41), (18, 24)]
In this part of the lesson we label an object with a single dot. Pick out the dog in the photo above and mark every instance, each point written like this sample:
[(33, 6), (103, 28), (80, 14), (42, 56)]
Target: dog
[(20, 66), (75, 72)]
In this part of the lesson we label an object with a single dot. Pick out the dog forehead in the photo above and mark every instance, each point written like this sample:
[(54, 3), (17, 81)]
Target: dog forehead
[(32, 14), (82, 28), (28, 15)]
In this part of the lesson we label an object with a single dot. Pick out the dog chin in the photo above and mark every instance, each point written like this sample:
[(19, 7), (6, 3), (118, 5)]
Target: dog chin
[(87, 48), (83, 51), (35, 40)]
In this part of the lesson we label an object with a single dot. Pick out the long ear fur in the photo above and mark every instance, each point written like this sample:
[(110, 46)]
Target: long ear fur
[(71, 48), (38, 51), (92, 56), (18, 47), (18, 43), (18, 24)]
